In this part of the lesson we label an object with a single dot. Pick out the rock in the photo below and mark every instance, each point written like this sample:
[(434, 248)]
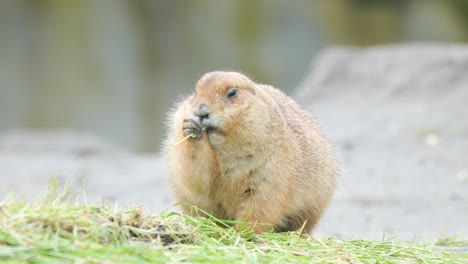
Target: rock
[(404, 109)]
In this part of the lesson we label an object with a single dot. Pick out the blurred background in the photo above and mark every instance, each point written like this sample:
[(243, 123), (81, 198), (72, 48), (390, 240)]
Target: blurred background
[(114, 68), (85, 87)]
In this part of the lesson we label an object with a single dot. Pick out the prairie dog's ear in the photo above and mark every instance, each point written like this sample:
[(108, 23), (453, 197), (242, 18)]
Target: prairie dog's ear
[(252, 89), (248, 84)]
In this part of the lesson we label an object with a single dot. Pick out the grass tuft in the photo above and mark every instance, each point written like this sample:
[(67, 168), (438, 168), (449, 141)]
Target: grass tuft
[(59, 229)]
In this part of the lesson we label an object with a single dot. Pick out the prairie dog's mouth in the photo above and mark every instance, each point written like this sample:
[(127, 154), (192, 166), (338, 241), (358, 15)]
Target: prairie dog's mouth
[(210, 129), (208, 126)]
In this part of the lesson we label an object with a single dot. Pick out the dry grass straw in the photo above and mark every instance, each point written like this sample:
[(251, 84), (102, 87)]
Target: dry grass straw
[(192, 135)]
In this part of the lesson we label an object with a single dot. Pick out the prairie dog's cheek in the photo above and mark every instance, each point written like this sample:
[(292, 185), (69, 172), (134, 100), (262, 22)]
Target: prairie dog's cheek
[(216, 139)]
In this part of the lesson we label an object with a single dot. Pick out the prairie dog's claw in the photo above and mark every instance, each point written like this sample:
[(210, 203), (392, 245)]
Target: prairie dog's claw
[(191, 127)]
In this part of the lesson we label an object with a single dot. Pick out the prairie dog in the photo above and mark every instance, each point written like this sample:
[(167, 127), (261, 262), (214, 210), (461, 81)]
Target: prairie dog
[(251, 154)]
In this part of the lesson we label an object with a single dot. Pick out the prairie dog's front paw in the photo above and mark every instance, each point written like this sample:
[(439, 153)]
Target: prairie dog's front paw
[(192, 127)]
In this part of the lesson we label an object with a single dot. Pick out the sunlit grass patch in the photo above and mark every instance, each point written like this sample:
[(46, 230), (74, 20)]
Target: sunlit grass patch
[(62, 230)]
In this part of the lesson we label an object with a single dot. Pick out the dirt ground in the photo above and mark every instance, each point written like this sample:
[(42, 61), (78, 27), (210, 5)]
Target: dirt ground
[(397, 115)]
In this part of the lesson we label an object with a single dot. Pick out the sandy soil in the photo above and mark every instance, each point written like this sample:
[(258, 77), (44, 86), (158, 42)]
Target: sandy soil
[(398, 116)]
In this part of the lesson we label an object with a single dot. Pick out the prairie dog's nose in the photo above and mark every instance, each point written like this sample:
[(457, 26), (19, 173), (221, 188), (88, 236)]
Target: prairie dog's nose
[(202, 110)]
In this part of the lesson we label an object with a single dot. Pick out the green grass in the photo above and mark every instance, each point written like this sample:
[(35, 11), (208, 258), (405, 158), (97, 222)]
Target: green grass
[(61, 230)]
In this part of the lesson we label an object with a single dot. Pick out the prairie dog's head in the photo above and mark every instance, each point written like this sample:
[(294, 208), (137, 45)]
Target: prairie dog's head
[(221, 102)]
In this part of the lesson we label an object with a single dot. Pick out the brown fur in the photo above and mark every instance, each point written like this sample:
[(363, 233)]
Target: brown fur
[(266, 162)]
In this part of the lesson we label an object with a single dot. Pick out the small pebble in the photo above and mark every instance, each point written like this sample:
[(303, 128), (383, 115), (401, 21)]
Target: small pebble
[(462, 176), (432, 140)]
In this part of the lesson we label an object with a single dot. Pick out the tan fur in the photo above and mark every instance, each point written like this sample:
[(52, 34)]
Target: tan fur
[(267, 162)]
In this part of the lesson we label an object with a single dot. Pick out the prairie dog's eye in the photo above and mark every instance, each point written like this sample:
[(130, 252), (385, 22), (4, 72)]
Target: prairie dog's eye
[(231, 93)]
